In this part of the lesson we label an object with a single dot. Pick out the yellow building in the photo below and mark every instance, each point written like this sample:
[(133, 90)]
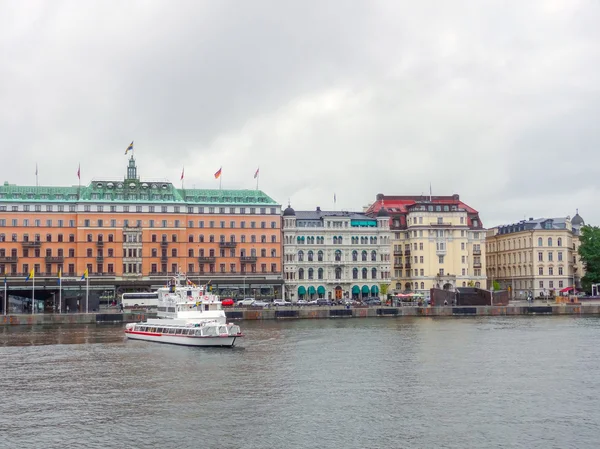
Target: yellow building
[(537, 257), (438, 242)]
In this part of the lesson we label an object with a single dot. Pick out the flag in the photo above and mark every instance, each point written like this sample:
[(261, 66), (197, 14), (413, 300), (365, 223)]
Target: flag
[(182, 173), (256, 173), (129, 148), (30, 275), (59, 276), (218, 173), (79, 171), (84, 275), (334, 198), (36, 170)]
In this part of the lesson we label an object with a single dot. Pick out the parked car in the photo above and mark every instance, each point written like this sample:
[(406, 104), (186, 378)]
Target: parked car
[(246, 302), (323, 302), (372, 301), (302, 302), (227, 302), (281, 302), (260, 304), (312, 302)]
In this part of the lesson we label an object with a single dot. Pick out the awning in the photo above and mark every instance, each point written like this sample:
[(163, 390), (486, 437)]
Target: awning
[(567, 289), (321, 290), (301, 290), (365, 290), (311, 290), (374, 290), (356, 289)]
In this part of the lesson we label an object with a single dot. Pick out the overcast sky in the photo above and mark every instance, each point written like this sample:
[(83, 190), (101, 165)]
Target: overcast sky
[(498, 104)]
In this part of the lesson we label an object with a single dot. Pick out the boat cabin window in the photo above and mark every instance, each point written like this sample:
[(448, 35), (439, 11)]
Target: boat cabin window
[(205, 306), (189, 293)]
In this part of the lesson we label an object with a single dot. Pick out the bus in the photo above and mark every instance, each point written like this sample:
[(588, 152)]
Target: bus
[(139, 299)]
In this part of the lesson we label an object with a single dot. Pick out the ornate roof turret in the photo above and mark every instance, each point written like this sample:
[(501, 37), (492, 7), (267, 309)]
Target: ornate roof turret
[(577, 220), (289, 212), (383, 212)]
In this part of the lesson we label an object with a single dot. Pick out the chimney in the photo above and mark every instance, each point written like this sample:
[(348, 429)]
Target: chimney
[(530, 218), (318, 209)]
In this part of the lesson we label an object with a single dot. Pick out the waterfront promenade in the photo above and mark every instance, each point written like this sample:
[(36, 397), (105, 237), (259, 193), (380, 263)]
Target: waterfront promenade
[(316, 312)]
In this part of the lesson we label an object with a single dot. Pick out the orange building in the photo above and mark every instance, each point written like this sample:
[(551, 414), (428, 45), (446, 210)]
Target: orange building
[(133, 235)]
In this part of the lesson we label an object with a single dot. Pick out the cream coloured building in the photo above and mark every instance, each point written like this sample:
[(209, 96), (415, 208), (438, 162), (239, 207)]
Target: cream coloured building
[(437, 242), (535, 256)]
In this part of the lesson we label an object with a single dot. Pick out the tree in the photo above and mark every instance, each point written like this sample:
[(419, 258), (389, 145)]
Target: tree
[(589, 251), (495, 286), (383, 288), (471, 284)]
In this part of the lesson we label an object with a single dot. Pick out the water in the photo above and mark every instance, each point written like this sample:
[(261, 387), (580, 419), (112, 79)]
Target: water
[(494, 382)]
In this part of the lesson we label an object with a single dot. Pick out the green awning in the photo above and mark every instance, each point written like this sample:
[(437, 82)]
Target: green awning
[(301, 290), (365, 290), (321, 290), (356, 289), (311, 290), (374, 290)]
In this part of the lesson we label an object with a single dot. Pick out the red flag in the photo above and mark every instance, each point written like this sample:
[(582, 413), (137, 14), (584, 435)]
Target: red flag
[(182, 173), (79, 171), (218, 173), (256, 173)]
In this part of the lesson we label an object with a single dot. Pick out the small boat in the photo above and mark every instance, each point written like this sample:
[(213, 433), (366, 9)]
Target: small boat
[(188, 315)]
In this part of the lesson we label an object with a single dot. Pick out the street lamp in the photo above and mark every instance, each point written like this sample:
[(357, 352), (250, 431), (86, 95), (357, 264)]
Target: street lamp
[(244, 293)]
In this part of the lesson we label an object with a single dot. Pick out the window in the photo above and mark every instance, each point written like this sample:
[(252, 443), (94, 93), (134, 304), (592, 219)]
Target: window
[(540, 257), (560, 271), (541, 271), (549, 241), (540, 242), (541, 284), (441, 259)]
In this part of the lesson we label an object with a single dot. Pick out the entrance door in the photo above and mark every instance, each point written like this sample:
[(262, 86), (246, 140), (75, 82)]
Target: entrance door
[(338, 293)]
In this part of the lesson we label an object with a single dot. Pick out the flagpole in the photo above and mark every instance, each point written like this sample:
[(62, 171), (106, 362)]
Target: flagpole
[(220, 180), (257, 177), (5, 302), (33, 294), (87, 293), (36, 175), (60, 295)]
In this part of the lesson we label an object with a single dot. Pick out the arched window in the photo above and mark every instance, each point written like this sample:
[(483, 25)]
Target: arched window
[(320, 256), (373, 256), (354, 256), (311, 273), (540, 242), (340, 240), (299, 239), (300, 256), (174, 252), (355, 273), (200, 238), (364, 273), (71, 238), (310, 256), (320, 273), (335, 240), (191, 252), (477, 285), (173, 237), (364, 256), (549, 241), (301, 273), (338, 273), (559, 241), (89, 237), (2, 238), (338, 255), (422, 285), (374, 273), (273, 253), (375, 240), (191, 238), (163, 238)]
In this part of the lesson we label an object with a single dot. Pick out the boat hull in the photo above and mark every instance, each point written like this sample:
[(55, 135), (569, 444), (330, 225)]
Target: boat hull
[(184, 340)]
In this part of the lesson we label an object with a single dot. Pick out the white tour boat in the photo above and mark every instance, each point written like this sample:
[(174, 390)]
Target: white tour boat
[(188, 315)]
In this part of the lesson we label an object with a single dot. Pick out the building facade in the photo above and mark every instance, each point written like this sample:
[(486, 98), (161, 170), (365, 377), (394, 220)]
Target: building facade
[(537, 257), (335, 255), (437, 242), (132, 234)]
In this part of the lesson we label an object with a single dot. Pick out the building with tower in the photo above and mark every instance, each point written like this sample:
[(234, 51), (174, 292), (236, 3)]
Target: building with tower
[(335, 254), (132, 234), (536, 257), (436, 242)]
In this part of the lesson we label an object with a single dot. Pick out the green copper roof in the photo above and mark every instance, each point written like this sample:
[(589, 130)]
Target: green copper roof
[(132, 190)]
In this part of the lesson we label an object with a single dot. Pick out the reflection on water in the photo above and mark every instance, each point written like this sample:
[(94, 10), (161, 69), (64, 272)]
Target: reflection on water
[(357, 383)]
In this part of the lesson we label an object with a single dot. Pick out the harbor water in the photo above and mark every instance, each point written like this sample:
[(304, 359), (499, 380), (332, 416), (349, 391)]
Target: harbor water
[(479, 382)]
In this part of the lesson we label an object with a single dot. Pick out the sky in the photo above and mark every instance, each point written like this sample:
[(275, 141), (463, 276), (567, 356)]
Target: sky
[(496, 101)]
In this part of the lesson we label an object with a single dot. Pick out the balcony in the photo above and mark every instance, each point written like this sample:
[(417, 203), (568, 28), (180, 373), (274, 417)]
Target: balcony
[(398, 265), (58, 259), (477, 265), (407, 252), (227, 244), (164, 244), (248, 259), (407, 265), (442, 224), (477, 252), (8, 259), (398, 253), (100, 259), (31, 244), (164, 258), (99, 243), (203, 259)]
